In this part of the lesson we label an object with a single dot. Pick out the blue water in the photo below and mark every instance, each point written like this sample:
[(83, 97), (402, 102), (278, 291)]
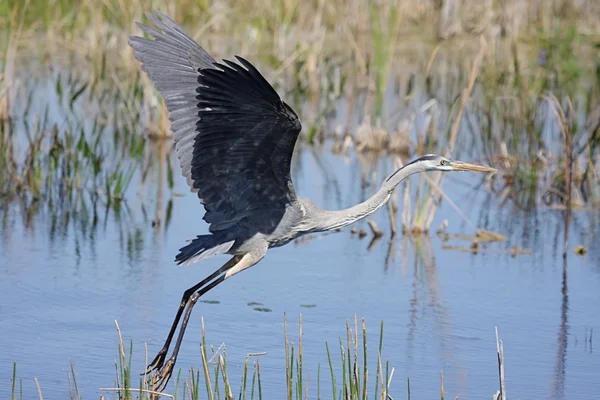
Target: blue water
[(60, 293)]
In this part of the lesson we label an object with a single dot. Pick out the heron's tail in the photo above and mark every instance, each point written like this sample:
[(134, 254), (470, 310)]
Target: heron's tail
[(204, 246)]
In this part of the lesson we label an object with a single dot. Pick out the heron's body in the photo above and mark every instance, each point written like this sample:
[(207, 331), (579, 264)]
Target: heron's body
[(300, 218), (234, 138)]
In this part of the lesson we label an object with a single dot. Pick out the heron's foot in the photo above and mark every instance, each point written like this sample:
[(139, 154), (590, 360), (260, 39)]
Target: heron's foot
[(158, 381), (157, 363)]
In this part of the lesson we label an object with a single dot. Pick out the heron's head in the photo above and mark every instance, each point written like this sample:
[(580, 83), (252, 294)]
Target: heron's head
[(434, 162)]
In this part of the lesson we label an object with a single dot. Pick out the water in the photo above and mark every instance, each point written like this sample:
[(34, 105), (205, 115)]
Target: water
[(61, 289), (61, 292)]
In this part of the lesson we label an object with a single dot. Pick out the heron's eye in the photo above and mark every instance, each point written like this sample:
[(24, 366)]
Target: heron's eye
[(443, 162)]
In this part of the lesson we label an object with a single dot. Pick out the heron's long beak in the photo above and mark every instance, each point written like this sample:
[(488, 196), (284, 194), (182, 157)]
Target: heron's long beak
[(463, 166)]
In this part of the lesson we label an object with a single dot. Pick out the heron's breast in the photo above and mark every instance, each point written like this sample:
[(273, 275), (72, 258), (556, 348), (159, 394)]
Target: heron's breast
[(283, 240)]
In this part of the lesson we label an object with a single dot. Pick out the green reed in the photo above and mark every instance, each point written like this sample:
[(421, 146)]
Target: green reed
[(215, 383), (349, 374), (13, 385)]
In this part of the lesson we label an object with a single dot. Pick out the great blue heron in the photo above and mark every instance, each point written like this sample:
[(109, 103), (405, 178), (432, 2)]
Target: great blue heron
[(234, 138)]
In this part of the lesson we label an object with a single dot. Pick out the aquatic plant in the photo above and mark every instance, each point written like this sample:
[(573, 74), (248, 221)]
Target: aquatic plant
[(105, 129), (354, 382)]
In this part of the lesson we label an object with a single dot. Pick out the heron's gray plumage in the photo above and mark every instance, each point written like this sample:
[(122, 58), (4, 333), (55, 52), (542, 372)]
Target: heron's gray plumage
[(318, 220), (172, 60), (234, 138), (203, 246)]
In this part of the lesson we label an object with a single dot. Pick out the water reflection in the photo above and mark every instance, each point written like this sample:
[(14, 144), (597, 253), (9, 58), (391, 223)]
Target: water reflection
[(427, 296), (562, 339)]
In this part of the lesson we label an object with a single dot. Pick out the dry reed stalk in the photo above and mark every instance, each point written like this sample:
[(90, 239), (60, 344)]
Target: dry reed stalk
[(392, 207), (4, 104), (513, 251), (289, 60), (300, 354), (389, 383), (450, 21), (228, 393), (392, 204), (501, 394), (121, 343), (431, 204), (203, 357), (445, 196), (375, 229), (431, 59), (381, 378), (154, 393), (39, 389), (288, 373), (358, 54), (8, 93)]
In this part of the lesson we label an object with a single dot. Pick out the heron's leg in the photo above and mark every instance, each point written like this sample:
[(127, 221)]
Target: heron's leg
[(159, 382), (159, 360)]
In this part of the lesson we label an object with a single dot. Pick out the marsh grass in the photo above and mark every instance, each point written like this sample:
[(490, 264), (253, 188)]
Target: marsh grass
[(527, 105), (96, 135), (352, 384), (13, 386), (351, 376)]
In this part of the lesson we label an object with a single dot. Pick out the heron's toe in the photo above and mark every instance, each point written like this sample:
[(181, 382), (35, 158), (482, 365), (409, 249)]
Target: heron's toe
[(157, 363), (158, 382)]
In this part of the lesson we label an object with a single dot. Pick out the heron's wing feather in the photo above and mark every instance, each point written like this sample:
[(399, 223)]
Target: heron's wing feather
[(172, 60), (243, 150), (234, 136)]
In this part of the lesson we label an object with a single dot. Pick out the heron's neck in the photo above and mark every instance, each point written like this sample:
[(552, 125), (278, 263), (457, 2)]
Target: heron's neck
[(326, 220)]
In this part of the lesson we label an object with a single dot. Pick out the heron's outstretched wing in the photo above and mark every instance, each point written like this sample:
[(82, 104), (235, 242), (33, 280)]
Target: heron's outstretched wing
[(243, 150), (172, 61), (234, 136)]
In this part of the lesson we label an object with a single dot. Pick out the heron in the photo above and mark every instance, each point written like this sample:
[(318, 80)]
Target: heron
[(234, 138)]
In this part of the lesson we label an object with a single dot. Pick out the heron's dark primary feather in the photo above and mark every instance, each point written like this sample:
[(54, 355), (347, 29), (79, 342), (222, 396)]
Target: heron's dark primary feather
[(243, 150)]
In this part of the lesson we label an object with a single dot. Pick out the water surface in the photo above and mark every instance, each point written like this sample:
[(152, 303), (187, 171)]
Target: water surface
[(60, 293)]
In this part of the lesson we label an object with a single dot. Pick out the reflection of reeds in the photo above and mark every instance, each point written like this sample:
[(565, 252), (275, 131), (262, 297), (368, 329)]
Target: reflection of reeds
[(562, 337), (568, 162)]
